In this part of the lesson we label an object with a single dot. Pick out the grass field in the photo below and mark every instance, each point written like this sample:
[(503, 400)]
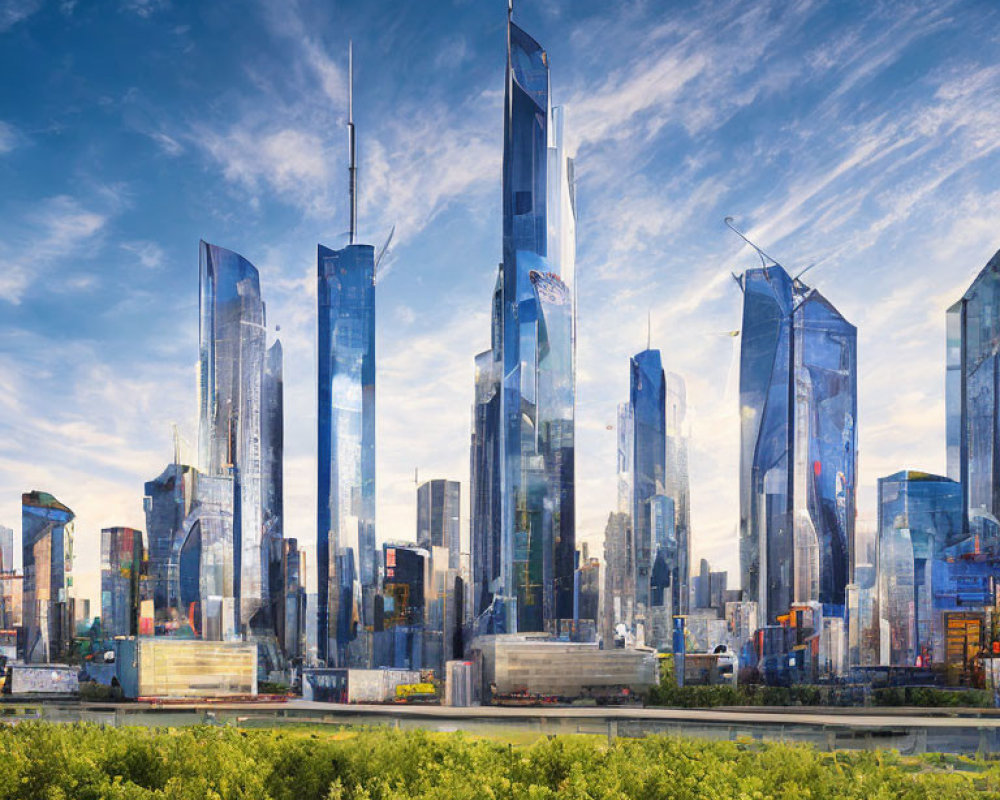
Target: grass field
[(81, 762)]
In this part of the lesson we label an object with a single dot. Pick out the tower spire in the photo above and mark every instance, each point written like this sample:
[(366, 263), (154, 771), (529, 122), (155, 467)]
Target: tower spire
[(352, 169), (649, 328)]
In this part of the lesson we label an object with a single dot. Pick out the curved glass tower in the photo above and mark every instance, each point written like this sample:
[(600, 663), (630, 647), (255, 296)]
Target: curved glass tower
[(47, 556), (533, 357), (798, 453), (233, 348)]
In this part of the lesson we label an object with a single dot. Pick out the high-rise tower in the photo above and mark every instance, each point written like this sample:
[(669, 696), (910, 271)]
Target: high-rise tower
[(798, 453), (232, 393), (972, 402), (345, 537), (532, 367)]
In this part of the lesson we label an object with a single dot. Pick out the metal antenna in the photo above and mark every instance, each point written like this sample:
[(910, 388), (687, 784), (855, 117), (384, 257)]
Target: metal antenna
[(649, 328), (383, 250), (352, 169), (761, 253)]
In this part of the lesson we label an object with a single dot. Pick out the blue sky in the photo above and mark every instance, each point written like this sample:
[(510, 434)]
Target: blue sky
[(860, 136)]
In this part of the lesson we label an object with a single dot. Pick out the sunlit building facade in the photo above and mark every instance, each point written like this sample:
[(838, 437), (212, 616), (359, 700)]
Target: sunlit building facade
[(798, 453), (346, 553), (533, 349), (47, 558), (230, 445)]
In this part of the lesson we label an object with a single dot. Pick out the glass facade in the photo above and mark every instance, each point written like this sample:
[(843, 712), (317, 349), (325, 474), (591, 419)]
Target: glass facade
[(121, 566), (233, 352), (530, 585), (973, 427), (484, 472), (207, 574), (47, 558), (920, 525), (168, 501), (647, 400), (438, 518), (798, 451), (346, 555), (678, 489)]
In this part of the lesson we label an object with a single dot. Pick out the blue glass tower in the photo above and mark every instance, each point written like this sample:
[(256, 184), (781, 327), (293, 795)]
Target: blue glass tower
[(647, 399), (533, 364), (233, 345), (973, 402), (345, 542), (798, 451), (920, 524)]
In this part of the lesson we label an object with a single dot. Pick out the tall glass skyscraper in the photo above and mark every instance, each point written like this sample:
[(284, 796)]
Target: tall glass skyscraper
[(438, 504), (168, 501), (233, 351), (345, 541), (533, 350), (973, 429), (47, 557), (648, 404), (920, 521), (798, 452), (678, 489), (484, 472)]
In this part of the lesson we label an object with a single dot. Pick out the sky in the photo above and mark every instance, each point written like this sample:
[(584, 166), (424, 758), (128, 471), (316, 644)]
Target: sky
[(859, 137)]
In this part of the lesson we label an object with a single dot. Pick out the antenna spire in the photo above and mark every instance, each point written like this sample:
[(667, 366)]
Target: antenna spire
[(352, 169), (761, 253), (649, 328)]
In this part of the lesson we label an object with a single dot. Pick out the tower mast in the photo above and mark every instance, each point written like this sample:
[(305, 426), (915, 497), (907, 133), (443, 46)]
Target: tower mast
[(352, 169)]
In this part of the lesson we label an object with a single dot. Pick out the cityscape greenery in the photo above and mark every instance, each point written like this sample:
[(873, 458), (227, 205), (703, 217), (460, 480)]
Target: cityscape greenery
[(87, 762)]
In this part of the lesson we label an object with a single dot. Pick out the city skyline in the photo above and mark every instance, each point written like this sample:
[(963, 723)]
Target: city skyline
[(135, 345)]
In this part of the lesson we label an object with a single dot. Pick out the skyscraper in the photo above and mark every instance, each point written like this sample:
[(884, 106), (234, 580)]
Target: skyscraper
[(233, 347), (798, 452), (47, 556), (168, 501), (121, 566), (973, 424), (438, 518), (272, 489), (647, 401), (484, 473), (678, 489), (345, 546), (533, 348), (920, 519)]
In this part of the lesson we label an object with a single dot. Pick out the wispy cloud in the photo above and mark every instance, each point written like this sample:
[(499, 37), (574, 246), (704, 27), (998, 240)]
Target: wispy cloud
[(149, 254), (56, 229), (13, 11), (8, 137)]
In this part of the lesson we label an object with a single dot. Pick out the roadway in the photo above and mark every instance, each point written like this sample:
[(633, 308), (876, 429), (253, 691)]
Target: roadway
[(907, 730)]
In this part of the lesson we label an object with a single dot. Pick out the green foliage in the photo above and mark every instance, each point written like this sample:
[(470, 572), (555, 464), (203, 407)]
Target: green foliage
[(87, 762), (669, 694), (932, 698)]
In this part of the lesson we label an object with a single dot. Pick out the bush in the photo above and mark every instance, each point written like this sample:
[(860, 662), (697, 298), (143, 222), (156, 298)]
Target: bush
[(88, 762)]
